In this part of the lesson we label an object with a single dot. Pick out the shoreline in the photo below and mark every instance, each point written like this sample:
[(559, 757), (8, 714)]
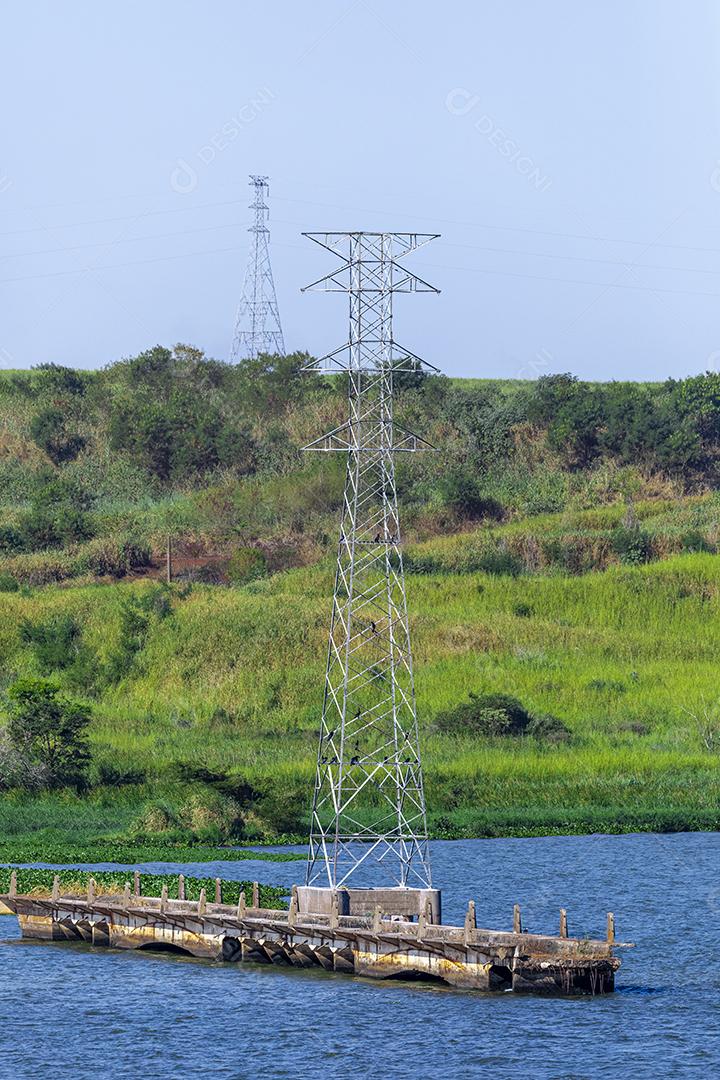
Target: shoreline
[(27, 851)]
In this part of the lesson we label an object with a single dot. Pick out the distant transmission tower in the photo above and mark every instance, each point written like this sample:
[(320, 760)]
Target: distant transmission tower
[(368, 805), (257, 327)]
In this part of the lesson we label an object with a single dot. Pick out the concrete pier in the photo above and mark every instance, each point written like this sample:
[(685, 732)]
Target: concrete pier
[(378, 945)]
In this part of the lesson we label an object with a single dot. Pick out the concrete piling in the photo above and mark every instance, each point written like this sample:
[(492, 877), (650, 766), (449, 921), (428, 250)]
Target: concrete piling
[(470, 921), (517, 920)]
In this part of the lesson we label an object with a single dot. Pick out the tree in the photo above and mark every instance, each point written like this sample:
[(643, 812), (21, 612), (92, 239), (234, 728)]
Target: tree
[(267, 384), (58, 514), (48, 429), (56, 379), (171, 415), (49, 730), (572, 412)]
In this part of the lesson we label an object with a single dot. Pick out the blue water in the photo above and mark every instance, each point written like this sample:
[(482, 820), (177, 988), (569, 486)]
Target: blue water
[(70, 1011)]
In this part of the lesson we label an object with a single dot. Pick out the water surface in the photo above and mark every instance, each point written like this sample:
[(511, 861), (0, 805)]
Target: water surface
[(70, 1011)]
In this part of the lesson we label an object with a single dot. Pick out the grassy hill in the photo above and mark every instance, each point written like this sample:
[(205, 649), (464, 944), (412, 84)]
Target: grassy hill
[(563, 553)]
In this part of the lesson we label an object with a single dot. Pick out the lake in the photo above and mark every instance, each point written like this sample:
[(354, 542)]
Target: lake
[(70, 1011)]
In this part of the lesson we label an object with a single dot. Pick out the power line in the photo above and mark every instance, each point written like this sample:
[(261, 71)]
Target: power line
[(439, 266), (585, 258), (124, 217), (507, 228), (574, 281), (447, 243), (118, 266), (124, 240), (471, 247), (365, 210)]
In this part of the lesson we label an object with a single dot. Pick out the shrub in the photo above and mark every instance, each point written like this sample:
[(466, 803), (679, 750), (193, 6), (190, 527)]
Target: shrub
[(106, 774), (156, 817), (485, 715), (11, 540), (425, 563), (48, 430), (55, 643), (17, 770), (133, 632), (212, 816), (41, 568), (8, 583), (49, 731), (523, 611), (499, 562), (461, 491), (57, 516), (631, 544), (694, 541), (499, 716), (135, 616), (246, 564), (113, 557), (547, 727), (56, 379), (281, 810)]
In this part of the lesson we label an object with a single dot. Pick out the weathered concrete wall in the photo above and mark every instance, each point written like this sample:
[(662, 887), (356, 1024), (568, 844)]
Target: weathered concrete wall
[(402, 902), (466, 958)]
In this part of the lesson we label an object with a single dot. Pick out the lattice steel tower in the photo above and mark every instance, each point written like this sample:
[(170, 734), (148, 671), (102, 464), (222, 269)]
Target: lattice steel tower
[(368, 803), (257, 326)]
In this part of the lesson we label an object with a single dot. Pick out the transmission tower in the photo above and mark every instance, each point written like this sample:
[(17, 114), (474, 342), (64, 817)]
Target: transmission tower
[(257, 327), (368, 804)]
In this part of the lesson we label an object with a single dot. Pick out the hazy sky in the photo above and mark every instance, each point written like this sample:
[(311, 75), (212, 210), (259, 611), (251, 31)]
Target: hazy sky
[(568, 152)]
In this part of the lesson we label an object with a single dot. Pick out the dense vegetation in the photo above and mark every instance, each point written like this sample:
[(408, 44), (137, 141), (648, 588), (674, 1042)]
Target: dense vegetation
[(563, 586), (75, 882)]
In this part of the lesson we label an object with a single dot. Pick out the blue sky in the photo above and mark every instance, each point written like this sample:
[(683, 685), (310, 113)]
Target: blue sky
[(568, 153)]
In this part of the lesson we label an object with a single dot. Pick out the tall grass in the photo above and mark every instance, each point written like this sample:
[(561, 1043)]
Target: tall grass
[(231, 680)]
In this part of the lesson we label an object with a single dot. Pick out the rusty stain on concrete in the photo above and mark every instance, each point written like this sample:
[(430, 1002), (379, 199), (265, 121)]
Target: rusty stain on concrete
[(365, 945)]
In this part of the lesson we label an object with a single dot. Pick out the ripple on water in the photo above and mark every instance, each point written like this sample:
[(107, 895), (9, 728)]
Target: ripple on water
[(75, 1012)]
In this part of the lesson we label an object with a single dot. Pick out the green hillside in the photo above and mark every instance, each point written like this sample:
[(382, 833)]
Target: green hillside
[(562, 551)]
